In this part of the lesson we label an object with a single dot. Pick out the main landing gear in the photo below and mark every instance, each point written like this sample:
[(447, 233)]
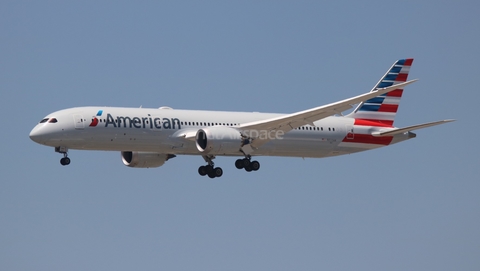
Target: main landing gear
[(247, 164), (65, 161), (210, 169)]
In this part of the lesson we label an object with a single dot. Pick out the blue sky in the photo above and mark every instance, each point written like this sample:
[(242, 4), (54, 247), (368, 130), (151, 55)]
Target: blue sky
[(411, 206)]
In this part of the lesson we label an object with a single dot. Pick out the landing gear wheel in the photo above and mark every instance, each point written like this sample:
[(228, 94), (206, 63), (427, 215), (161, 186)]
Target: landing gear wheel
[(65, 161), (202, 170), (218, 172), (239, 163), (210, 170), (63, 150), (212, 175), (214, 172), (255, 165), (246, 162)]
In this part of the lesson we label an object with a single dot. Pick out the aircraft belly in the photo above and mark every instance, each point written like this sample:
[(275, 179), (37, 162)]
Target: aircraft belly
[(120, 140), (298, 147)]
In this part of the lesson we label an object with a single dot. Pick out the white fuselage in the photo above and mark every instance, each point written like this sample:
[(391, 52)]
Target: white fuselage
[(159, 131)]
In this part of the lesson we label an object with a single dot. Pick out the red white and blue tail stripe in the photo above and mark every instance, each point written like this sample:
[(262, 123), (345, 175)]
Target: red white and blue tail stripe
[(382, 109)]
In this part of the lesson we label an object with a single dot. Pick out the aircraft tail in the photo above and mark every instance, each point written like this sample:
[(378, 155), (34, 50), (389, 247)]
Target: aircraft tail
[(382, 109)]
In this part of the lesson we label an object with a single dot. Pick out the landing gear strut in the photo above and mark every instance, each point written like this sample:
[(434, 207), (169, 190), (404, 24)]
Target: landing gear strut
[(210, 169), (247, 164), (65, 160)]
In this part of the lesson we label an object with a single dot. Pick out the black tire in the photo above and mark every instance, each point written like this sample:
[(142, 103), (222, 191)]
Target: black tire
[(209, 169), (239, 163), (65, 161), (246, 162), (255, 165), (202, 171), (212, 175), (218, 172), (248, 168)]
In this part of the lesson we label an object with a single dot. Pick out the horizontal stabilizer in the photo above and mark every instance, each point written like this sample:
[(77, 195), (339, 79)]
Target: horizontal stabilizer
[(409, 128)]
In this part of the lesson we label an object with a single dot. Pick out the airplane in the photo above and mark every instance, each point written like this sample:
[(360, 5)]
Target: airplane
[(148, 137)]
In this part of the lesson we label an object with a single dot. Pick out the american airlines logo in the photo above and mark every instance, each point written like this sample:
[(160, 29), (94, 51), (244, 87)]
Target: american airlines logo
[(95, 119), (137, 122)]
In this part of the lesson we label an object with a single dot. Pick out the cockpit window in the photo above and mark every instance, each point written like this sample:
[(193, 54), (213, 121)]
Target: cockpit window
[(44, 120), (52, 120)]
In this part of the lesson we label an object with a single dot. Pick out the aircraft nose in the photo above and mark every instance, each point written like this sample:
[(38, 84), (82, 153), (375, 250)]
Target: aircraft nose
[(37, 135)]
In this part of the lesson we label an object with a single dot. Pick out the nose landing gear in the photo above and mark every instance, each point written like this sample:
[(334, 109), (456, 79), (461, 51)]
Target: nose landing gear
[(65, 161)]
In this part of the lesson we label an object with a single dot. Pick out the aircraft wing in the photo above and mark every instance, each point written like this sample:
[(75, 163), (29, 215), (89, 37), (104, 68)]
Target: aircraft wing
[(295, 120)]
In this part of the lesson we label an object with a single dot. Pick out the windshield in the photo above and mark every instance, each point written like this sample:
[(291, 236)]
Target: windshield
[(50, 120)]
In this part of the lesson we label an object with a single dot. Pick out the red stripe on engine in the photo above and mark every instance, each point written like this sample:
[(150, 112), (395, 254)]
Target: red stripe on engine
[(388, 108), (395, 93), (369, 139), (376, 123)]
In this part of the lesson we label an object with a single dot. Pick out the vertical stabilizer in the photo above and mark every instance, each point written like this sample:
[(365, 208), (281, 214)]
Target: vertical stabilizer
[(382, 109)]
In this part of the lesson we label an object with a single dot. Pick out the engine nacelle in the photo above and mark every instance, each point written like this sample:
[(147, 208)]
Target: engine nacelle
[(144, 159), (218, 140)]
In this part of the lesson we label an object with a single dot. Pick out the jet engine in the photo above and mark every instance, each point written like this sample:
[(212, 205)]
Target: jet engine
[(218, 140), (144, 159)]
